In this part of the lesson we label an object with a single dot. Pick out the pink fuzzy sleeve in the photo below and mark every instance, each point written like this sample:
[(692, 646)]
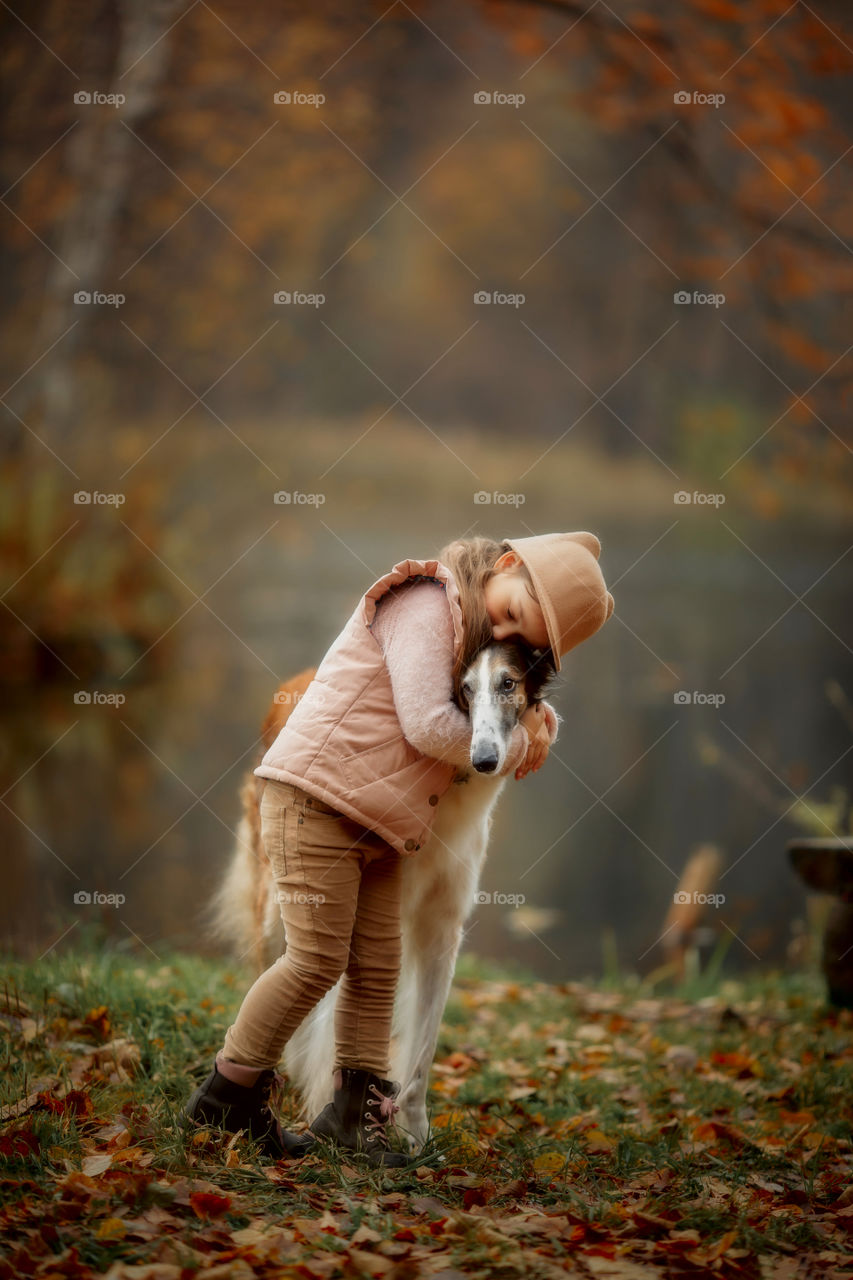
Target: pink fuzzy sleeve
[(414, 629)]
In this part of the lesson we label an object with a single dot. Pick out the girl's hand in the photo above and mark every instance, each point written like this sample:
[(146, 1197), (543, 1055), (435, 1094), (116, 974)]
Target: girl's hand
[(536, 723)]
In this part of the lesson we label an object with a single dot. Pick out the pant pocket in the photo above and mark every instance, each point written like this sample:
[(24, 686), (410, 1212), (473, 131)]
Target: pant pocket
[(280, 826)]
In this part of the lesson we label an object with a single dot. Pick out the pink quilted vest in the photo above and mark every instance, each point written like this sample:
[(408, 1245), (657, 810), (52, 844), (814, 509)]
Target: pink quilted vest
[(343, 742)]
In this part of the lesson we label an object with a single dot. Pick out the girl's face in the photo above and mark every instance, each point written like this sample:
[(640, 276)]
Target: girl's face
[(510, 604)]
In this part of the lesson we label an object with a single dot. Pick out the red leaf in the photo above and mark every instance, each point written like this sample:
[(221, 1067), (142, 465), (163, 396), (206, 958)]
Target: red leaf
[(18, 1142), (206, 1205), (479, 1195), (75, 1101)]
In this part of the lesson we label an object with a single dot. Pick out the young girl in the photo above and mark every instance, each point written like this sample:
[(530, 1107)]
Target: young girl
[(353, 779)]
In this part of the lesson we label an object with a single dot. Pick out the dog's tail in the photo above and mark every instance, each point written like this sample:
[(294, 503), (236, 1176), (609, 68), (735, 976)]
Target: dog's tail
[(242, 914), (237, 914), (309, 1055)]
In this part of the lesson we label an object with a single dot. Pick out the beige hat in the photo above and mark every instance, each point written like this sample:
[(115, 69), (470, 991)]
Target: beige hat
[(568, 584)]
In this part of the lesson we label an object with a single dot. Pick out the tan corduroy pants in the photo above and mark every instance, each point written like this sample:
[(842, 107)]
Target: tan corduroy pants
[(339, 891)]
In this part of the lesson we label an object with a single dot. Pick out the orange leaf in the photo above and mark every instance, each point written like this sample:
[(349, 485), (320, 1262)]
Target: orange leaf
[(740, 1063), (597, 1142), (716, 1130), (98, 1020), (796, 1117)]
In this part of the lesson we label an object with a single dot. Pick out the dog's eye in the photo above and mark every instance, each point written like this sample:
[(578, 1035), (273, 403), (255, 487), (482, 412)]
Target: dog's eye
[(509, 684), (466, 689)]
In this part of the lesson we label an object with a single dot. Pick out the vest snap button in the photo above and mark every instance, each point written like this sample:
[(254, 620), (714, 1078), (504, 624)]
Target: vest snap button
[(433, 799), (410, 844)]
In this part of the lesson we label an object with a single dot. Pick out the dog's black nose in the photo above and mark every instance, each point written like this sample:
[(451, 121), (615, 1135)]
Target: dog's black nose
[(485, 764)]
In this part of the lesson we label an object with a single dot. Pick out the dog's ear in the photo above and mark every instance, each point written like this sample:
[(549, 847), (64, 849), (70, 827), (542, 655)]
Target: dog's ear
[(539, 671)]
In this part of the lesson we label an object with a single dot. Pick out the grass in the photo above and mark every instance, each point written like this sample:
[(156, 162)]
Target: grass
[(679, 1131)]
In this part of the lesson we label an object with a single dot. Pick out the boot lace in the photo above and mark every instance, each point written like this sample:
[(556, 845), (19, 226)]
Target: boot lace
[(387, 1108), (271, 1087)]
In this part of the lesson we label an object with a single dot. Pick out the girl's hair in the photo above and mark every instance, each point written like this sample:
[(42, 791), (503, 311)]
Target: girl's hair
[(472, 561)]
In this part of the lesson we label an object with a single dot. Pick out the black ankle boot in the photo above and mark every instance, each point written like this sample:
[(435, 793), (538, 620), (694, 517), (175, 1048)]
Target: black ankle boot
[(231, 1106), (356, 1118)]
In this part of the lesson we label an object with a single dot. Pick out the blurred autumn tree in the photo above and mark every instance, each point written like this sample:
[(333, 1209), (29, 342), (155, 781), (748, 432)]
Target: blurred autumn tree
[(200, 197)]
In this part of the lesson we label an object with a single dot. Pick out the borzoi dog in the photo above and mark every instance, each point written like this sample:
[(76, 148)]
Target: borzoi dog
[(438, 887)]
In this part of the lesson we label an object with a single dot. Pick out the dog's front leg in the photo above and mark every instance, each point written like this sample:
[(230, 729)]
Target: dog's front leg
[(429, 969)]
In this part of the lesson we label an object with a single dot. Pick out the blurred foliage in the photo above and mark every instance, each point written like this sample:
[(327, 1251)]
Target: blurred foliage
[(82, 599), (217, 197)]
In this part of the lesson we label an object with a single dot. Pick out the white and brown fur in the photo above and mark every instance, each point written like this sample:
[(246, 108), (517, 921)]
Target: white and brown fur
[(438, 889)]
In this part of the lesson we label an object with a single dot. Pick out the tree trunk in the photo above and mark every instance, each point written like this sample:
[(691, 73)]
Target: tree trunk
[(100, 159)]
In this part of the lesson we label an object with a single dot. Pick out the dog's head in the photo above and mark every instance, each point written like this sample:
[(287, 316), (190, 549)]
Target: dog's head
[(500, 683), (506, 663)]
